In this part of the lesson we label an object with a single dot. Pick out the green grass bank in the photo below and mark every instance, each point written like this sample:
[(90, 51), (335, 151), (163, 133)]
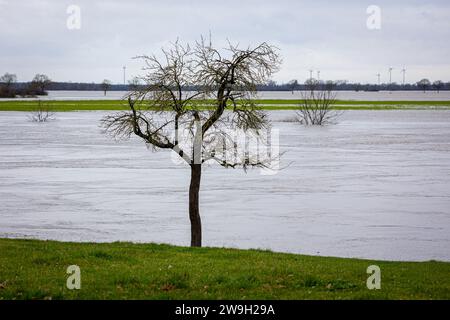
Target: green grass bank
[(32, 269), (85, 105)]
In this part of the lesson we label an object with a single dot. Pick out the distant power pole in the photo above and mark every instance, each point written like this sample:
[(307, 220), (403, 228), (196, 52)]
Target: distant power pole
[(124, 68), (310, 74), (318, 75), (378, 75), (403, 71)]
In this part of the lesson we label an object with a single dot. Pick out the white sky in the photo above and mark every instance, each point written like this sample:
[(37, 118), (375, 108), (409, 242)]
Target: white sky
[(330, 36)]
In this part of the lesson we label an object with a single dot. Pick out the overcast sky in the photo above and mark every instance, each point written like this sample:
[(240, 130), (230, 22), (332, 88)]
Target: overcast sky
[(330, 36)]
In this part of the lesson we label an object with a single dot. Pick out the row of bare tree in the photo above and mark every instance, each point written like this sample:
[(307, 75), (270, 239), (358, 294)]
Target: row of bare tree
[(425, 84), (37, 86)]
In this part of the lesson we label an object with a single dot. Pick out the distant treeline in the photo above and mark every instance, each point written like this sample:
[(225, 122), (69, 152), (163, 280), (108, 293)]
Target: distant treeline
[(340, 85), (41, 84)]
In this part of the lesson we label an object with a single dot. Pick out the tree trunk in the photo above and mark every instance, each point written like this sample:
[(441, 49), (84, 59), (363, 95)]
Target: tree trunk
[(194, 213)]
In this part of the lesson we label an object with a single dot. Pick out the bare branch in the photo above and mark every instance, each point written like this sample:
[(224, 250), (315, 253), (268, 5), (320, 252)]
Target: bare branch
[(317, 107), (167, 116)]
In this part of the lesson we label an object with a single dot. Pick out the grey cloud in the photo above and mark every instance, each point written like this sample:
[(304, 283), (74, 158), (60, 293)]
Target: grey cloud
[(325, 35)]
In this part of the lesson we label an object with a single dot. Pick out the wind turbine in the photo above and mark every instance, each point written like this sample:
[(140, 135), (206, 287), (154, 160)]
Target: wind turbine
[(318, 75), (378, 75), (403, 71), (310, 74), (390, 75), (124, 67)]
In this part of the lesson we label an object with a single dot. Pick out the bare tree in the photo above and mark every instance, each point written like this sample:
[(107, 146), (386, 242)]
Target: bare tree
[(166, 116), (293, 84), (134, 83), (437, 85), (8, 79), (40, 82), (41, 113), (424, 84), (317, 106), (106, 84), (6, 85)]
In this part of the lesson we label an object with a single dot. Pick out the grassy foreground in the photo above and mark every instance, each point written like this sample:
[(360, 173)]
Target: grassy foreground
[(32, 269), (83, 105)]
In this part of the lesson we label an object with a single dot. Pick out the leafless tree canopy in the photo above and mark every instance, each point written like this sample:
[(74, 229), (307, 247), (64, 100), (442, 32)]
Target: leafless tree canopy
[(40, 82), (8, 78), (424, 84), (6, 85), (438, 84), (317, 105), (106, 84), (162, 112)]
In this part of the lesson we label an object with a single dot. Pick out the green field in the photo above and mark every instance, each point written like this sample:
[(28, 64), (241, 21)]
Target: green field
[(80, 105), (31, 269)]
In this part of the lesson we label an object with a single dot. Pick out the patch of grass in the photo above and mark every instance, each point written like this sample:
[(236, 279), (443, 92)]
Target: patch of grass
[(178, 280), (312, 282), (361, 102), (101, 255), (86, 105), (32, 269)]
